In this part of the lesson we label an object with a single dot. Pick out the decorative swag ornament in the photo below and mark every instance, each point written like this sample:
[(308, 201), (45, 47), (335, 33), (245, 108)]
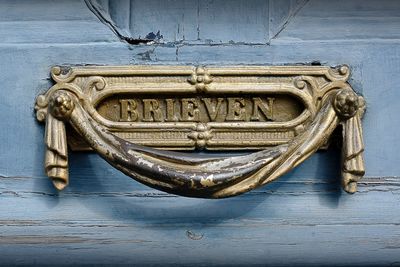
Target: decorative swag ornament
[(129, 115)]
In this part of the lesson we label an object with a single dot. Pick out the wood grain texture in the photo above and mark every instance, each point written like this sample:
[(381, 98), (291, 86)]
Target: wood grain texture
[(50, 22), (106, 218), (211, 21), (344, 20), (288, 221)]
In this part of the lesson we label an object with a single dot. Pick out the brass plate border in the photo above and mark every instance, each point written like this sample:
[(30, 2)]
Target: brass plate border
[(306, 83), (328, 98)]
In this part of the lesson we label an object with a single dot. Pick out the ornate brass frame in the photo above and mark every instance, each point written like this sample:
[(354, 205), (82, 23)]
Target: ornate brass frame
[(120, 112)]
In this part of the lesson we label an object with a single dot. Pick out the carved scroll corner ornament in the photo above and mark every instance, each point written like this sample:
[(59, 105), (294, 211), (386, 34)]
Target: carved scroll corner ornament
[(129, 114)]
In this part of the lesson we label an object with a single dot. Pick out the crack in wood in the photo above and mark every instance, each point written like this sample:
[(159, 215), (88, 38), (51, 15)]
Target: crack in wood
[(292, 14)]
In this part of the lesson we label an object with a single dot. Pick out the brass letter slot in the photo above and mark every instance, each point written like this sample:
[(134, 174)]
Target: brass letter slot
[(131, 114)]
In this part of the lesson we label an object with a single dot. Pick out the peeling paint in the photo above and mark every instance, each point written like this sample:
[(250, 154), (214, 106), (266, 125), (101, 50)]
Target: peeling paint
[(192, 235), (145, 162), (207, 182)]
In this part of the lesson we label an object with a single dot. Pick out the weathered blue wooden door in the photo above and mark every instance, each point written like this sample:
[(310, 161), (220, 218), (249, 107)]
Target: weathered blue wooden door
[(104, 217)]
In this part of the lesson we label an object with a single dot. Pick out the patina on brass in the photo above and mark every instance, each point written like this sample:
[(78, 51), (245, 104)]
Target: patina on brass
[(130, 114)]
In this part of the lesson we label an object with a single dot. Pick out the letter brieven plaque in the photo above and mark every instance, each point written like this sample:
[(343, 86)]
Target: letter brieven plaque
[(277, 115)]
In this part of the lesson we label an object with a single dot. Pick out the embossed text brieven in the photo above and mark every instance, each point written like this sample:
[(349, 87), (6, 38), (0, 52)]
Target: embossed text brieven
[(197, 109)]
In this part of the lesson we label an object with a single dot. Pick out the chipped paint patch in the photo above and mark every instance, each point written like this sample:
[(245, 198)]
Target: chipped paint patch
[(145, 162), (194, 236), (207, 182), (142, 161)]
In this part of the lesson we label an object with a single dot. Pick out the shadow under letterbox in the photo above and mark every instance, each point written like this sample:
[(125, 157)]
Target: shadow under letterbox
[(105, 190)]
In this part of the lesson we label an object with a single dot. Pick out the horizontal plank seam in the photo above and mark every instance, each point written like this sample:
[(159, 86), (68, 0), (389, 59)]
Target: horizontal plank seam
[(174, 45)]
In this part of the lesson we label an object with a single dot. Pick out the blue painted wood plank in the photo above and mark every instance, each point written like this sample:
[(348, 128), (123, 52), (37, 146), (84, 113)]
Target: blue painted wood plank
[(281, 12), (104, 217), (34, 64), (234, 21), (211, 21), (256, 228), (44, 10), (174, 20), (50, 22), (251, 242), (299, 203), (344, 20)]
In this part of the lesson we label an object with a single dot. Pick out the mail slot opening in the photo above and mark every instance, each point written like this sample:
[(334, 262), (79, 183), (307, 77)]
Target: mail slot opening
[(207, 108)]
